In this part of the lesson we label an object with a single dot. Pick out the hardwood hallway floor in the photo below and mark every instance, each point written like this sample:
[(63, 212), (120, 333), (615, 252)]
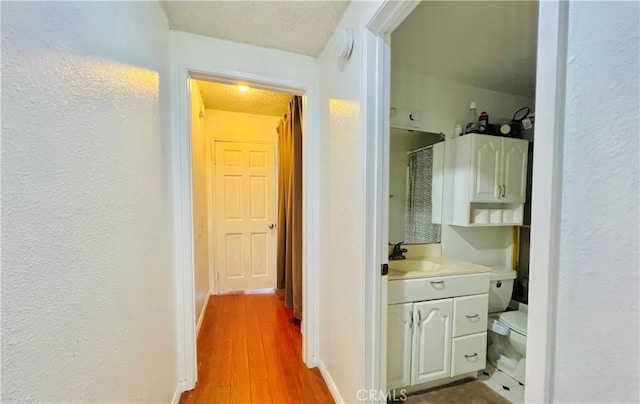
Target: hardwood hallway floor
[(249, 351)]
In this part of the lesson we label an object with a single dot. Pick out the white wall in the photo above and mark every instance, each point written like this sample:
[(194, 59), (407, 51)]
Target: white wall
[(88, 303), (598, 287), (220, 56), (200, 206), (442, 104), (488, 44), (225, 125), (342, 201)]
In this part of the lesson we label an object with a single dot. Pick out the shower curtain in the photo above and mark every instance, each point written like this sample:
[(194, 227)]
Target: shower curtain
[(289, 275), (419, 229)]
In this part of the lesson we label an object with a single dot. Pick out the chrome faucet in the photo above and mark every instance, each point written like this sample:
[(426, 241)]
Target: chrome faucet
[(398, 251)]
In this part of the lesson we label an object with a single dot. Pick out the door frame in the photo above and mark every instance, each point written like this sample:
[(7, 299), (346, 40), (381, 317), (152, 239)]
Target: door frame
[(183, 206), (546, 194), (211, 207)]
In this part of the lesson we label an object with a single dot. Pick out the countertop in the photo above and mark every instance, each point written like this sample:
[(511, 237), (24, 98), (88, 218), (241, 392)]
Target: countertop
[(432, 267)]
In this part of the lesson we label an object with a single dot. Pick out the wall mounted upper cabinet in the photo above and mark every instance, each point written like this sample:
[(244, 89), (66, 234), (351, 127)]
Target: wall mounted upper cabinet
[(499, 168), (490, 180)]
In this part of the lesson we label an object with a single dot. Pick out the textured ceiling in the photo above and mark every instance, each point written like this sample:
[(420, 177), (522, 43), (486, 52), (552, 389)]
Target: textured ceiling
[(227, 97), (484, 44), (294, 26)]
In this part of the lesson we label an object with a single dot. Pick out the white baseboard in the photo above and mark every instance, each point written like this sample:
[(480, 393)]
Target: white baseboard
[(202, 313), (330, 384), (313, 363), (178, 393), (262, 291)]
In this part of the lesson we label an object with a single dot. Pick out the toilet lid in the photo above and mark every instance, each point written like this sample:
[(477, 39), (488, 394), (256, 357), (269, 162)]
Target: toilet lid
[(516, 320)]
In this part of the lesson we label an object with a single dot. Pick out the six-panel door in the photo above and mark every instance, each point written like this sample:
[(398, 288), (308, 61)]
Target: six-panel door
[(431, 340), (399, 332), (244, 211)]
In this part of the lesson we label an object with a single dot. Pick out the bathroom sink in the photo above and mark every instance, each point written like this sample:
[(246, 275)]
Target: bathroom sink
[(432, 267), (413, 265)]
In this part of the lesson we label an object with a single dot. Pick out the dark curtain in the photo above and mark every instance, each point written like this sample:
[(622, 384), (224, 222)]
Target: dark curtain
[(290, 206), (419, 228)]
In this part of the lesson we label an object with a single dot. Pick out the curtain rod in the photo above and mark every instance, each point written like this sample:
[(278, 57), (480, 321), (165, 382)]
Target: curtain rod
[(421, 149)]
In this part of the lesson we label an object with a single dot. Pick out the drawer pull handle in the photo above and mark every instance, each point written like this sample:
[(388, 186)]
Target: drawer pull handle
[(470, 316), (471, 356)]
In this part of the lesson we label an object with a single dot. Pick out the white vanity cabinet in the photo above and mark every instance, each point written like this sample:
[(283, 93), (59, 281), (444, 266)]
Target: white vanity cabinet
[(490, 172), (436, 328)]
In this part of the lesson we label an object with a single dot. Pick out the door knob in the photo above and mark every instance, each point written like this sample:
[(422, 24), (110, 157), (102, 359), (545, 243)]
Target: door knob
[(272, 226)]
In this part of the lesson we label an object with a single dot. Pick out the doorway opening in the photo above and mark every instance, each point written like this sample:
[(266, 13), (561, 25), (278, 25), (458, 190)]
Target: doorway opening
[(247, 189), (464, 220), (249, 213), (464, 201)]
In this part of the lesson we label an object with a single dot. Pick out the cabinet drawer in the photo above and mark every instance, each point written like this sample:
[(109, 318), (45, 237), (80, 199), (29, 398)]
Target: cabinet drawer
[(468, 353), (470, 314), (415, 290)]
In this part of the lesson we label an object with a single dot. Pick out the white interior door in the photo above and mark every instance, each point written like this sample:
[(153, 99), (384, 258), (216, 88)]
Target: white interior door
[(244, 216)]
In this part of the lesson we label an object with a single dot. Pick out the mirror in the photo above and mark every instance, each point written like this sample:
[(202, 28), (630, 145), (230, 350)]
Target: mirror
[(416, 168)]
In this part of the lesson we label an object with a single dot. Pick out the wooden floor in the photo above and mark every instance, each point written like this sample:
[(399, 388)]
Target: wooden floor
[(249, 351)]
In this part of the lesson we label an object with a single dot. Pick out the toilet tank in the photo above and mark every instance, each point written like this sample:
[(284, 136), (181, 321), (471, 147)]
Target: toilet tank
[(500, 288)]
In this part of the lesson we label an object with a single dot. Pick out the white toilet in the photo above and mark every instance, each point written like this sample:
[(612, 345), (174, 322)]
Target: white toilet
[(507, 329)]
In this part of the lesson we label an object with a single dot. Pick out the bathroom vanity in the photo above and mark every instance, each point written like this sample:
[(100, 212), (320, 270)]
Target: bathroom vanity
[(437, 321)]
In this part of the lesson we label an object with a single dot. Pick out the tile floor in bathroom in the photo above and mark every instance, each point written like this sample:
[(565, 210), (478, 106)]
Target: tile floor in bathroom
[(503, 384)]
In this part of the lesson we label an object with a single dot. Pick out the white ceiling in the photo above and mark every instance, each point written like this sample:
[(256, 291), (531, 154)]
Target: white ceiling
[(228, 97), (294, 26), (484, 44)]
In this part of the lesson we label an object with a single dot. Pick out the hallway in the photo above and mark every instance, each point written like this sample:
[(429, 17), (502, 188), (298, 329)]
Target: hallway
[(249, 351)]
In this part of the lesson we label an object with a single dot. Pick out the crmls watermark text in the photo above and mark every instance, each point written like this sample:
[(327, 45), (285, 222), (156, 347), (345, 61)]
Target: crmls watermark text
[(379, 395)]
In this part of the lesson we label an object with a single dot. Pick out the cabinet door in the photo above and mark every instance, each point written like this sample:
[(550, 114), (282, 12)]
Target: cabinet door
[(485, 168), (431, 356), (514, 170), (399, 327)]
